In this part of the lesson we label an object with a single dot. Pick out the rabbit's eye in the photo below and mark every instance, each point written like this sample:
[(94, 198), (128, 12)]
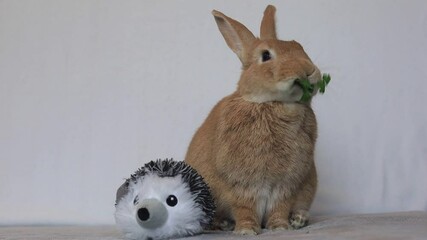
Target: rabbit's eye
[(266, 56)]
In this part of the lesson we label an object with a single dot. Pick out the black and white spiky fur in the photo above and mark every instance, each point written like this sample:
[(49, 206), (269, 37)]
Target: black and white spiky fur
[(156, 180)]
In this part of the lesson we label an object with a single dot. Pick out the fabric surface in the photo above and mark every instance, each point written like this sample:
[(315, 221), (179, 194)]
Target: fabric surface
[(92, 90), (405, 225)]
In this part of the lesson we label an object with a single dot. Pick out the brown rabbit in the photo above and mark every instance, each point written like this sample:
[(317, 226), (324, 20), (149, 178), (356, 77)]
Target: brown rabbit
[(255, 149)]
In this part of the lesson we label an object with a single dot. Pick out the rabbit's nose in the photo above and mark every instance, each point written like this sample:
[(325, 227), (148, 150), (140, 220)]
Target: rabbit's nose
[(315, 76), (306, 67), (300, 68)]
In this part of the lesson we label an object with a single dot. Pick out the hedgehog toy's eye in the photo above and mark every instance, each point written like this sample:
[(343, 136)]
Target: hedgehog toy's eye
[(172, 200), (135, 201), (266, 55)]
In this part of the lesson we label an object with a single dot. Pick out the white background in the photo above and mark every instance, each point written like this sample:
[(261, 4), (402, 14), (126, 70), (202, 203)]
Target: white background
[(91, 90)]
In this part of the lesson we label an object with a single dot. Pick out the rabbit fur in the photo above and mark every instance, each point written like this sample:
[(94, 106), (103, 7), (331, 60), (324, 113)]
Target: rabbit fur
[(256, 147)]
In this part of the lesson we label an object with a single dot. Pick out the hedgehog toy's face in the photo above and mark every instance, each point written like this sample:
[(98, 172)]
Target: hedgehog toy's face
[(154, 207)]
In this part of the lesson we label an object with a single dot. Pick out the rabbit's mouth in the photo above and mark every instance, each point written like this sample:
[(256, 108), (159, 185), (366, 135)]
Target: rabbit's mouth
[(298, 83), (289, 90), (284, 91)]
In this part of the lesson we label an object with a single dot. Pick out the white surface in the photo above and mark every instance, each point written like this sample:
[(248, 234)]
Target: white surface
[(90, 90), (396, 226)]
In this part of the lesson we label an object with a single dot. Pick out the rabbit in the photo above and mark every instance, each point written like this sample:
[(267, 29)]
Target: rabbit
[(256, 147)]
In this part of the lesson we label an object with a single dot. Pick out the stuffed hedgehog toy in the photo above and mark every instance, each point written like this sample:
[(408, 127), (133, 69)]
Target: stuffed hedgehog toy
[(164, 199)]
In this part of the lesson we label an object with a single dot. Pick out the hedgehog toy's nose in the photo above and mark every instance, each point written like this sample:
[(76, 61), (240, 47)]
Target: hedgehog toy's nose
[(143, 214), (151, 214)]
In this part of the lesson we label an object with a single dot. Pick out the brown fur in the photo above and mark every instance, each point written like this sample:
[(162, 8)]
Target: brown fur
[(256, 147)]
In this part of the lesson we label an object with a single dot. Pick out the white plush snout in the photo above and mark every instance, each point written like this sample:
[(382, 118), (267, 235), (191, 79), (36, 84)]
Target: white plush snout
[(151, 214)]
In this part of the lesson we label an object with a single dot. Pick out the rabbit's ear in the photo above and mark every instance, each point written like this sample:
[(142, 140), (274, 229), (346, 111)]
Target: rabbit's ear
[(237, 36), (268, 25)]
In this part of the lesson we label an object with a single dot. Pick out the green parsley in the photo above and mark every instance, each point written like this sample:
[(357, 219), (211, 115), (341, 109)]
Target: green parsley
[(308, 88)]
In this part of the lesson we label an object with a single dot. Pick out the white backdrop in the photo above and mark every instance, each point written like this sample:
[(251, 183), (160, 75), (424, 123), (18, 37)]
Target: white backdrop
[(91, 90)]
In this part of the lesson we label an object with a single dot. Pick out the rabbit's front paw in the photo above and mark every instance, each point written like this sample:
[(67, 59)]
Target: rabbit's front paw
[(299, 219), (247, 228), (278, 225), (225, 225), (246, 231)]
